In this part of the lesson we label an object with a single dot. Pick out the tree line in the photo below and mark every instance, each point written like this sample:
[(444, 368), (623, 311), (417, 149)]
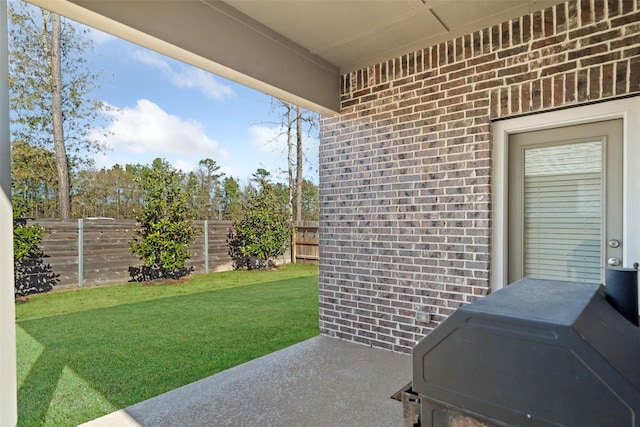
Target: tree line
[(116, 192)]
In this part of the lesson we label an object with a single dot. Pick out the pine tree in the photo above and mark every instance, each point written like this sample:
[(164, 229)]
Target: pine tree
[(49, 88)]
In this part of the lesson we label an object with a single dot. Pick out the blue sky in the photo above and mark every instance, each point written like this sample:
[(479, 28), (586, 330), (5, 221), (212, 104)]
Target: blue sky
[(164, 108)]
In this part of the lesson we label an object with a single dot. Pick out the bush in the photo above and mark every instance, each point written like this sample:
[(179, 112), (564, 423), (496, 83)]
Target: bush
[(31, 274), (166, 231), (263, 232)]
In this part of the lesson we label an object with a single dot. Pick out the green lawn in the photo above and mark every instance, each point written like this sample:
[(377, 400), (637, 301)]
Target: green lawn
[(85, 353)]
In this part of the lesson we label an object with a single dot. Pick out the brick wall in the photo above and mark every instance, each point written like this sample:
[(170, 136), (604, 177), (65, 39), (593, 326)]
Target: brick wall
[(405, 168)]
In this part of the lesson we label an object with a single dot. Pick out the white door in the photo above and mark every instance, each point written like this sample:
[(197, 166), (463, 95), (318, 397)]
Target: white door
[(565, 202)]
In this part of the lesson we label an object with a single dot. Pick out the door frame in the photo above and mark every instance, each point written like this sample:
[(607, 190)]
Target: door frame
[(627, 109)]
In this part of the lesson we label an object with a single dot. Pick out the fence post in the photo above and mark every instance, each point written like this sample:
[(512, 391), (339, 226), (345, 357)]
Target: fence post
[(294, 242), (206, 246), (80, 252)]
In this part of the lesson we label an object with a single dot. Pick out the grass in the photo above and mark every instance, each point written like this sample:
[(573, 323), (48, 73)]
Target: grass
[(85, 353)]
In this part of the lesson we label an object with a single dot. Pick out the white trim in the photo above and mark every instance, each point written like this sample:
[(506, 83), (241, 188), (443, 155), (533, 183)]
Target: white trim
[(8, 387), (628, 110)]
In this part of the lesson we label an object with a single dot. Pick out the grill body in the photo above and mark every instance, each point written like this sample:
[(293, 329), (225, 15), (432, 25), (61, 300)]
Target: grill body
[(536, 353)]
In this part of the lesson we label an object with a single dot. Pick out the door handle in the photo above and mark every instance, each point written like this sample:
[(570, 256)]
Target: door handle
[(613, 262)]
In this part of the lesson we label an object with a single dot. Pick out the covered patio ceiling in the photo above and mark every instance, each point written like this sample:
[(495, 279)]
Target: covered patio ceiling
[(292, 49)]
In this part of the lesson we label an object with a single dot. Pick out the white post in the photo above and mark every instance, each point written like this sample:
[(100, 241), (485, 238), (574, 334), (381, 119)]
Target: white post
[(8, 388)]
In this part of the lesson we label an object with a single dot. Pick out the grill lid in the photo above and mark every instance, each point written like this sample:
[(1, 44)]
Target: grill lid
[(537, 352)]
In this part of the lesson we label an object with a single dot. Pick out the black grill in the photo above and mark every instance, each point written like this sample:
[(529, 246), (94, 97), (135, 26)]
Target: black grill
[(536, 353)]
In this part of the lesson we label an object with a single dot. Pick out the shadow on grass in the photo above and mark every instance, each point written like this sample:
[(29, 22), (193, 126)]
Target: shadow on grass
[(132, 352)]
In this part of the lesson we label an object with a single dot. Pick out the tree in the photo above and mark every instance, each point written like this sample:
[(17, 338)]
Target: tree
[(33, 179), (106, 192), (310, 201), (295, 123), (264, 231), (231, 199), (49, 88), (299, 161), (166, 230), (261, 177), (204, 189)]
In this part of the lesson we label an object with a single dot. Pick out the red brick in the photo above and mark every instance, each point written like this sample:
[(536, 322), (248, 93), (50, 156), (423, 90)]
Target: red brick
[(573, 20), (549, 71), (621, 77), (608, 80), (583, 85), (506, 35), (539, 44), (570, 87), (515, 100), (599, 11), (591, 29), (613, 8), (627, 41), (588, 51), (536, 95), (451, 48), (594, 83), (504, 102), (634, 76), (495, 38), (626, 19), (600, 59), (516, 32), (600, 38), (561, 17), (547, 92), (434, 56), (548, 22), (585, 12), (537, 30)]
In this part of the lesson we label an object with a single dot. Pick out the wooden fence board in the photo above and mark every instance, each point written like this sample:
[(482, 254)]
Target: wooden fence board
[(106, 250), (306, 242)]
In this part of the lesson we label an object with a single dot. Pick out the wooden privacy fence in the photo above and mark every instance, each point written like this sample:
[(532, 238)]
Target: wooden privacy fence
[(306, 242), (90, 252), (96, 251)]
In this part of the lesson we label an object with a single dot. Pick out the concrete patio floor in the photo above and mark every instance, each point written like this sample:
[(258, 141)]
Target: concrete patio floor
[(320, 382)]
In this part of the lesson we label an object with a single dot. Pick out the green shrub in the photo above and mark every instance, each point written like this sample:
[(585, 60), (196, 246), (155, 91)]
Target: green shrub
[(263, 232), (166, 230), (31, 274)]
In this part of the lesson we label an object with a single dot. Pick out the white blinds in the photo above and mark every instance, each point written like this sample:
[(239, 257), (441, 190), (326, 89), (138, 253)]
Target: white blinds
[(563, 212)]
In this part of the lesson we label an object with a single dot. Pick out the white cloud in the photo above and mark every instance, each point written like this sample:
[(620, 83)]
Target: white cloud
[(183, 76), (269, 140), (148, 128), (102, 160), (184, 165)]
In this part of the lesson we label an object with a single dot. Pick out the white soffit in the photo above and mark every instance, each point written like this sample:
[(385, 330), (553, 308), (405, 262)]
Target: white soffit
[(353, 34), (292, 49)]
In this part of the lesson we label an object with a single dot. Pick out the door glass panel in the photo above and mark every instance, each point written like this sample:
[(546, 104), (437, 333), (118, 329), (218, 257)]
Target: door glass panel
[(562, 211)]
